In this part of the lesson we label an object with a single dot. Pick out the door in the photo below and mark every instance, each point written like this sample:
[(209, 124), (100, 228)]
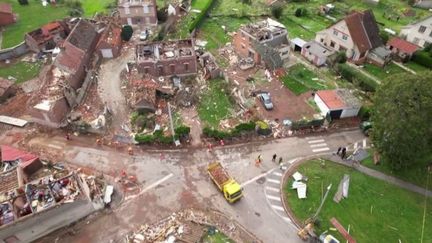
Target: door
[(129, 20), (107, 53), (336, 114)]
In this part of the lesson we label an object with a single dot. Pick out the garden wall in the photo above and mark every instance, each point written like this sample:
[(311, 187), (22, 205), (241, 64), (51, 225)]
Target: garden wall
[(14, 52)]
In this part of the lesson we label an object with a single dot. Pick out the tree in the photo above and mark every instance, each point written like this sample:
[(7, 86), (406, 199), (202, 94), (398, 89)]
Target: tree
[(276, 11), (341, 57), (126, 33), (75, 8), (23, 2), (401, 118)]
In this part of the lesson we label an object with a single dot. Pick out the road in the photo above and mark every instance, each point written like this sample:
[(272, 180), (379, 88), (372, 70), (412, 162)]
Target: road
[(177, 179)]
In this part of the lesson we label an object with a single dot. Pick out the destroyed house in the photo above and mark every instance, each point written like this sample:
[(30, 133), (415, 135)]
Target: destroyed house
[(6, 15), (47, 37), (167, 58), (265, 42), (110, 42), (142, 13), (76, 52)]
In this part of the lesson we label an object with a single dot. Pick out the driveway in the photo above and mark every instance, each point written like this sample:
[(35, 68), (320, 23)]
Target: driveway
[(110, 89)]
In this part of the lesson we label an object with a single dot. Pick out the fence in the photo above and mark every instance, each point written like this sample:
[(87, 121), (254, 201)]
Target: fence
[(14, 52)]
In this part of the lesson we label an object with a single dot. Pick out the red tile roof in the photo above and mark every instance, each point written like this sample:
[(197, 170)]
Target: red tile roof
[(70, 58), (331, 99), (50, 26), (12, 154), (403, 45), (364, 30), (5, 8)]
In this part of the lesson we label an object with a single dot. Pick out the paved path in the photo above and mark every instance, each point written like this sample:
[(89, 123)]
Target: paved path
[(379, 175)]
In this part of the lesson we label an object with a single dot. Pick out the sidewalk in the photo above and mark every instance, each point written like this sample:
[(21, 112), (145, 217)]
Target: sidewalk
[(379, 175)]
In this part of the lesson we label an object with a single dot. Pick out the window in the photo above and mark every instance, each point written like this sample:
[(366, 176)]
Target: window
[(186, 66), (160, 69), (127, 10), (146, 70), (416, 40), (146, 9), (250, 54), (335, 32), (172, 68), (345, 37), (147, 20), (322, 40), (332, 44), (422, 29)]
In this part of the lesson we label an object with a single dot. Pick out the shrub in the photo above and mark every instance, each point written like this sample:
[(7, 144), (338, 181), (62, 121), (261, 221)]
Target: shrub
[(341, 57), (140, 138), (126, 33), (262, 125), (354, 76), (300, 12), (249, 126), (23, 2), (75, 8), (182, 131), (134, 115), (276, 11), (364, 113), (423, 58)]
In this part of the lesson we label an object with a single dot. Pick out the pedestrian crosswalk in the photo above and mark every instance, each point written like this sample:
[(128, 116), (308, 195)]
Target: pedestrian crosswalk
[(272, 193), (317, 144), (359, 144)]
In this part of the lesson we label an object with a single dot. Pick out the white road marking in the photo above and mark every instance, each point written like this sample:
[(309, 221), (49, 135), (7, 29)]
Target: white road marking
[(153, 185), (309, 138), (287, 219), (284, 167), (54, 146), (316, 141), (292, 161), (256, 178), (274, 198), (320, 150), (273, 181), (277, 174), (272, 189), (318, 145), (278, 208), (364, 143)]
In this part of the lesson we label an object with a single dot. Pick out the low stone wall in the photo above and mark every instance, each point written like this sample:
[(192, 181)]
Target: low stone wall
[(14, 52)]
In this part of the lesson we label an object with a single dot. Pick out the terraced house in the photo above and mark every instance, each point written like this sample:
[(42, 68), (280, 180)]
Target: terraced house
[(141, 13)]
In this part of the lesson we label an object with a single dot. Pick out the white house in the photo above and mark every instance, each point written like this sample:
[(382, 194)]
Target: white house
[(339, 103), (316, 53), (419, 33)]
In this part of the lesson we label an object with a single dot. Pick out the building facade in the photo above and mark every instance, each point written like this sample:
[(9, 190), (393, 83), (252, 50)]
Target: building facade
[(47, 37), (419, 33), (142, 13), (7, 17)]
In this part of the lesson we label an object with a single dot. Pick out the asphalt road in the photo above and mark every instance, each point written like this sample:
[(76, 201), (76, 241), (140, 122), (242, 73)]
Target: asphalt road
[(173, 180)]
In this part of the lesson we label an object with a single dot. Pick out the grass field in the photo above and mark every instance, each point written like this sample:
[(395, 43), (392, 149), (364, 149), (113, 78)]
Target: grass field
[(34, 15), (22, 71), (375, 210), (382, 73), (416, 175), (416, 67), (300, 80), (215, 104)]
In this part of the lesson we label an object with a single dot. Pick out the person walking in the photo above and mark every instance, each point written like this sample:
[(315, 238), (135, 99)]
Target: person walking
[(339, 150), (258, 160), (343, 153), (274, 158), (280, 163)]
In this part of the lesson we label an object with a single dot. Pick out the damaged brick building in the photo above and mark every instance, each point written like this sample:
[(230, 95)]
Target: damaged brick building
[(167, 58), (64, 80), (265, 42), (138, 12), (47, 37)]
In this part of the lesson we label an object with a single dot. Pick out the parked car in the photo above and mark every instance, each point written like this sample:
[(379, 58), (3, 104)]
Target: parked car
[(143, 35), (366, 127), (266, 101)]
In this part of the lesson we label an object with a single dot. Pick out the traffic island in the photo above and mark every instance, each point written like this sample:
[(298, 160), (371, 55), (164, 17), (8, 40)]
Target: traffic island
[(373, 211)]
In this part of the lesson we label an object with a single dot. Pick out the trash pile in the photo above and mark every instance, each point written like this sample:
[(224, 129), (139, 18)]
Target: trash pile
[(300, 184), (65, 190), (6, 214), (40, 196)]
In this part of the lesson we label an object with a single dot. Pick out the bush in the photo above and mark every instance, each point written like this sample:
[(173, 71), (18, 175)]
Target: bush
[(126, 33), (364, 113), (341, 57), (182, 131), (276, 11), (300, 12), (140, 138), (162, 14), (75, 8), (423, 58), (23, 2), (354, 76), (242, 127)]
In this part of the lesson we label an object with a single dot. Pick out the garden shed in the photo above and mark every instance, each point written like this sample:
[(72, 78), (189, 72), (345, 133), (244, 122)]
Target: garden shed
[(339, 103), (297, 44)]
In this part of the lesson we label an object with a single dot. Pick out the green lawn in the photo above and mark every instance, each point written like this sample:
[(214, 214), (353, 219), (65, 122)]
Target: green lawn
[(215, 104), (300, 80), (22, 71), (382, 73), (375, 210), (30, 17), (416, 67), (416, 175), (34, 15)]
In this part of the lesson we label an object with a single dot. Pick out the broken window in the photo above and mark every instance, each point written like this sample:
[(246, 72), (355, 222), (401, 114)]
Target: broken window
[(146, 70), (186, 66), (322, 40), (160, 70), (332, 44), (422, 29), (172, 68)]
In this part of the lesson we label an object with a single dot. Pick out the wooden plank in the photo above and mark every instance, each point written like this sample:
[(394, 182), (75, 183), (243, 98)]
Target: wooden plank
[(13, 121), (342, 230)]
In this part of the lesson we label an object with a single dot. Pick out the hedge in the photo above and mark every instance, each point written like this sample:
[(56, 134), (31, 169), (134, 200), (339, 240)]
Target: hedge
[(158, 137), (216, 134), (201, 15), (423, 58), (356, 77)]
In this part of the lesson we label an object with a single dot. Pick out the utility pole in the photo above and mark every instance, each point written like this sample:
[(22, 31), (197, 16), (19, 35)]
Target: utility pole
[(322, 202), (171, 124)]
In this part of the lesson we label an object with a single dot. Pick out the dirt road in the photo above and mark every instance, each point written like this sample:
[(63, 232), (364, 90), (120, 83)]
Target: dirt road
[(109, 88)]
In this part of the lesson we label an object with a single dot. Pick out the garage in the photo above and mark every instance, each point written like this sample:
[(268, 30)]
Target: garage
[(297, 44), (339, 103), (107, 53)]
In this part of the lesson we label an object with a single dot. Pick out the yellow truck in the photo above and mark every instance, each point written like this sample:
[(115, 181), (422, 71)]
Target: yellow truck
[(231, 190)]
